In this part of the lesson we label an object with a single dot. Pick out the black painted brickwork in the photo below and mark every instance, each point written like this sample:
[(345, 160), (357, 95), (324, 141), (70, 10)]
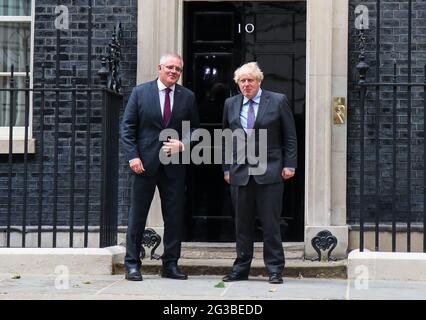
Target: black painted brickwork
[(106, 13), (74, 51), (393, 45)]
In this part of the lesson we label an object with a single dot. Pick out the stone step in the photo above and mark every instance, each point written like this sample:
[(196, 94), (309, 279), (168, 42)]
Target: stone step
[(226, 250), (293, 268), (98, 261)]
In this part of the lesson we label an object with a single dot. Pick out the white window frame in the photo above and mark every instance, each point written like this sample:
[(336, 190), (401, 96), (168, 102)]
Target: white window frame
[(19, 131)]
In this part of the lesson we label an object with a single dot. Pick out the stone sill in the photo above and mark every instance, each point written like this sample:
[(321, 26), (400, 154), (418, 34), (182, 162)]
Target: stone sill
[(394, 266), (17, 146), (387, 227), (88, 261)]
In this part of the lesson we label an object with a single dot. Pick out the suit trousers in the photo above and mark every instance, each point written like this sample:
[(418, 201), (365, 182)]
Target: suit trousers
[(265, 201), (172, 194)]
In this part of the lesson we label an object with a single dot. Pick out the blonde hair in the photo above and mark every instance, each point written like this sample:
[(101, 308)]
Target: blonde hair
[(250, 68)]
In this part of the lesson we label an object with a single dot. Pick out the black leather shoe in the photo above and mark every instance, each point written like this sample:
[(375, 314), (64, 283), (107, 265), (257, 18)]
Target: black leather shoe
[(275, 278), (234, 276), (172, 271), (133, 274)]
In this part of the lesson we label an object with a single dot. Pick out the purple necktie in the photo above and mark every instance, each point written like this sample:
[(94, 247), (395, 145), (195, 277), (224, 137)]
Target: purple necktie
[(167, 109), (250, 117)]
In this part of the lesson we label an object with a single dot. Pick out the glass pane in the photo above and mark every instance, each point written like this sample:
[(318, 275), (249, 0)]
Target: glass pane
[(214, 27), (15, 7), (19, 114), (15, 41)]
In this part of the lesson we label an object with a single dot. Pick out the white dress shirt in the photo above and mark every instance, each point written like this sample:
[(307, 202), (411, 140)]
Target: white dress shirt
[(162, 95)]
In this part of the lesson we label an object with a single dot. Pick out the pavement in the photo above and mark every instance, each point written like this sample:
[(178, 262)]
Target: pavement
[(208, 288)]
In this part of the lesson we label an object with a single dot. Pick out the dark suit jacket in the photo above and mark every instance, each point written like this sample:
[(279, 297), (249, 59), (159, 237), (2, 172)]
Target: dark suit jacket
[(143, 122), (274, 114)]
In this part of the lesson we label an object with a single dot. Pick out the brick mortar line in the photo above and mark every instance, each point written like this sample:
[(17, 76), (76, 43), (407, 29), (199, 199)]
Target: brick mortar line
[(348, 289), (107, 287), (226, 289)]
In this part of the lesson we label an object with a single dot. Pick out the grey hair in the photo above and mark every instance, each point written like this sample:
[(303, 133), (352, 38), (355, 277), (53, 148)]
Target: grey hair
[(250, 68), (167, 55)]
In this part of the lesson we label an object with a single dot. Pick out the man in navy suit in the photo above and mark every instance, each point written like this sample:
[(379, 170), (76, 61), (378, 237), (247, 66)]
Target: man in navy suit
[(257, 188), (152, 107)]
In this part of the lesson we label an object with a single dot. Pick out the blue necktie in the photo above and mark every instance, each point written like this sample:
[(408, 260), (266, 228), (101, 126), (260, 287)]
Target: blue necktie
[(250, 117)]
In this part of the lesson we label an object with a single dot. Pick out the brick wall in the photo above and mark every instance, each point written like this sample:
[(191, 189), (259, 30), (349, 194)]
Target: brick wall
[(105, 15), (393, 46), (73, 51)]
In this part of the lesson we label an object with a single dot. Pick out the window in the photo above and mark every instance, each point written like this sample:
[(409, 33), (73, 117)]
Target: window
[(16, 48)]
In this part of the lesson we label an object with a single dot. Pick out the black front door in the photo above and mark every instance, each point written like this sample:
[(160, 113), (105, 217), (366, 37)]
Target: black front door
[(219, 37)]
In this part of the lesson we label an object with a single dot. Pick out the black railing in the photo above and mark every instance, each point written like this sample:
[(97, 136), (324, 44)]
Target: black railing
[(110, 151), (69, 182), (396, 97)]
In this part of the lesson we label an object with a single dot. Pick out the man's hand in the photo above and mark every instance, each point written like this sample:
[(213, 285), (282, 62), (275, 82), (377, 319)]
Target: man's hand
[(226, 176), (287, 173), (172, 146), (137, 166)]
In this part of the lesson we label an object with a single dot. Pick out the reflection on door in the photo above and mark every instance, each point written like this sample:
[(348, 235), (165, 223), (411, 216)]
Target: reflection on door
[(218, 38)]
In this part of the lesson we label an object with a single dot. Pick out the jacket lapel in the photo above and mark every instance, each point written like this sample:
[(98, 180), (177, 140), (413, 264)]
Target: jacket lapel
[(237, 109), (264, 100), (177, 98), (155, 99)]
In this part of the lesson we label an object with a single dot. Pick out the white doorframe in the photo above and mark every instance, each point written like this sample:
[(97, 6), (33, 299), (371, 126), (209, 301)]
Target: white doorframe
[(160, 30)]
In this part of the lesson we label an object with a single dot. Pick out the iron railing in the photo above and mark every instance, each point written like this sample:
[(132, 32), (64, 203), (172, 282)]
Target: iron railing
[(394, 139), (70, 182)]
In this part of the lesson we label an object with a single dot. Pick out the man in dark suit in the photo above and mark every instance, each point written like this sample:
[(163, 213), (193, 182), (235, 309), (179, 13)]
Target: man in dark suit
[(259, 191), (153, 107)]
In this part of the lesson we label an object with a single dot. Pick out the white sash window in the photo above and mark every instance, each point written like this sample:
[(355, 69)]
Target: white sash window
[(16, 48)]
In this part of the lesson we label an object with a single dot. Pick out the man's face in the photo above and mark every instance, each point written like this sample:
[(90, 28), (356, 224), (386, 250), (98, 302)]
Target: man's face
[(249, 85), (170, 71)]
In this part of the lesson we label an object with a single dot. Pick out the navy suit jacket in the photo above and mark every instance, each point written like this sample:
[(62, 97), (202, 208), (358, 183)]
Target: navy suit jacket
[(143, 122), (275, 116)]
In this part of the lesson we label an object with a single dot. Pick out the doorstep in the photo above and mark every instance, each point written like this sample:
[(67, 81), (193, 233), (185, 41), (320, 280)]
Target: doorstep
[(217, 258), (293, 268)]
